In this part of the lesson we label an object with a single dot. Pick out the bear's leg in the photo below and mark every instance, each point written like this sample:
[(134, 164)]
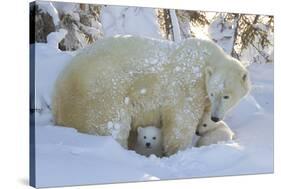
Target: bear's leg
[(122, 135), (120, 127), (178, 130)]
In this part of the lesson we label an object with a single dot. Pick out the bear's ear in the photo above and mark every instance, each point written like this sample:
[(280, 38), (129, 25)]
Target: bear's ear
[(208, 72), (245, 81), (244, 77), (139, 129)]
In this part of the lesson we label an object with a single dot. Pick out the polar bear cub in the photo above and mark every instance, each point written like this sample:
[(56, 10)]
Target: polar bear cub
[(212, 132), (149, 141)]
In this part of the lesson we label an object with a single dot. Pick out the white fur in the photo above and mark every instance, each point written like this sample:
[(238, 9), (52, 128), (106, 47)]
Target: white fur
[(223, 92), (120, 83), (149, 135), (211, 132)]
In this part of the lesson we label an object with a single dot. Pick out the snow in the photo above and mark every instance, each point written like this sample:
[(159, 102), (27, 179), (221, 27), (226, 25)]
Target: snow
[(252, 55), (177, 69), (127, 100), (55, 37), (143, 91), (49, 61), (222, 32), (67, 8), (66, 157), (123, 20), (184, 24)]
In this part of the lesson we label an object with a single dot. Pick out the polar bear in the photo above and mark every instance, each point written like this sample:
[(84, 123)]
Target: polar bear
[(211, 132), (119, 83), (149, 141)]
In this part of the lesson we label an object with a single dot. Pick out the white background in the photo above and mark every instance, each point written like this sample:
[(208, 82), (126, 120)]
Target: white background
[(14, 100)]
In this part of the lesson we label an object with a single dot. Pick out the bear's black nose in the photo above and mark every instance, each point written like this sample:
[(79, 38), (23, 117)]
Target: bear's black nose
[(147, 144), (215, 119), (197, 133)]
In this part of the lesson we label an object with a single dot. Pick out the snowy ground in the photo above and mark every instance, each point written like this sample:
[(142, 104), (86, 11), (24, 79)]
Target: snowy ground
[(66, 157)]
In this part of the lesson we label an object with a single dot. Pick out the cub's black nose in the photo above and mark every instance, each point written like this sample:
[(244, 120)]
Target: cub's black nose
[(197, 133), (147, 144), (215, 119)]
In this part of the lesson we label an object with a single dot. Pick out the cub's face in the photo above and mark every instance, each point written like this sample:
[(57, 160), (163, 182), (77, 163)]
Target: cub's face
[(205, 125), (225, 89), (149, 137)]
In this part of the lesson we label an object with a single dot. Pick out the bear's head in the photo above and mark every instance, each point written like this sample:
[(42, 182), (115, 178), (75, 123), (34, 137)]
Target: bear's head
[(226, 85), (149, 137)]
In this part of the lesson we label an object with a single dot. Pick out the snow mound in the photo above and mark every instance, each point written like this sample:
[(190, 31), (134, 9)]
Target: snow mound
[(54, 38), (68, 154), (49, 63)]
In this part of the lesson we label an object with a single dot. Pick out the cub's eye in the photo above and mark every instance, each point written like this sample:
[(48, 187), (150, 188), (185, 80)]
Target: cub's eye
[(144, 137), (204, 125), (212, 94), (154, 138), (226, 97)]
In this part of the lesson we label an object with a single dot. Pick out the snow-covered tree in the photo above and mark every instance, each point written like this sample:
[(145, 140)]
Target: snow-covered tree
[(129, 20), (81, 21), (189, 20), (257, 46), (175, 26), (169, 24), (240, 34), (44, 23), (184, 23), (222, 31), (256, 36)]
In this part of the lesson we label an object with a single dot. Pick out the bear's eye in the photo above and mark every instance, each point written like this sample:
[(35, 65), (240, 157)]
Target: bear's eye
[(226, 97), (154, 138), (144, 137), (212, 94), (204, 125)]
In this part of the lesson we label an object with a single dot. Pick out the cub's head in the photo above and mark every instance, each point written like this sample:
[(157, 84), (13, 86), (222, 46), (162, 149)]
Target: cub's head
[(205, 124), (149, 137), (225, 86)]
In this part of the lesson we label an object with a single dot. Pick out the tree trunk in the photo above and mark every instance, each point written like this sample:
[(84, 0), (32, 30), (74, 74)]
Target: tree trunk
[(256, 19), (168, 24), (175, 26), (236, 20)]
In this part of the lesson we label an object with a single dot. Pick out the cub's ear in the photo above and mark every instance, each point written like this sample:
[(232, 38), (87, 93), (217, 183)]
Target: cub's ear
[(139, 129), (208, 72)]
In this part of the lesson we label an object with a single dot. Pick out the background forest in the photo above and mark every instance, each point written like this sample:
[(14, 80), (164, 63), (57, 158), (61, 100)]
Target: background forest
[(246, 37)]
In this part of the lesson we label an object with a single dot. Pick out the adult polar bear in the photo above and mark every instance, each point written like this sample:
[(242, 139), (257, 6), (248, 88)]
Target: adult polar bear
[(124, 82)]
